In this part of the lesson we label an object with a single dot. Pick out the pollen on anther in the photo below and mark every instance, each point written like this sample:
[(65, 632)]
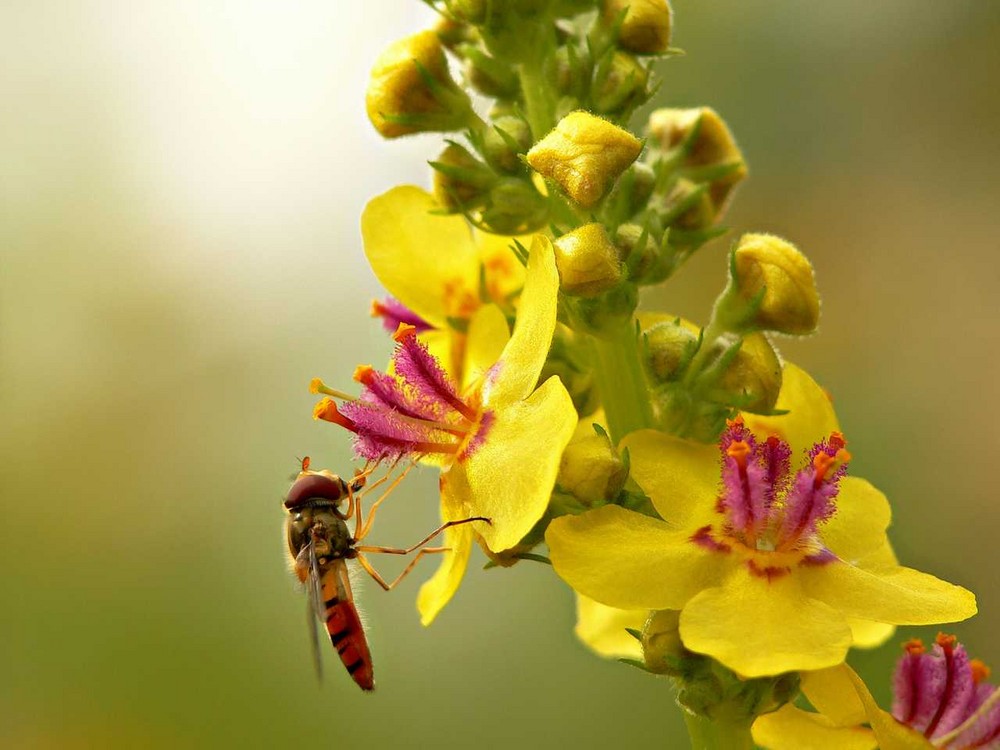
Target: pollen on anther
[(946, 641), (914, 647), (980, 672), (316, 385), (363, 374), (739, 450), (403, 331)]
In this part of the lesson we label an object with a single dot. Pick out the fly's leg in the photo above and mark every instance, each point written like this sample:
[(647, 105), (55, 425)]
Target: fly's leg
[(389, 586), (361, 529), (422, 542)]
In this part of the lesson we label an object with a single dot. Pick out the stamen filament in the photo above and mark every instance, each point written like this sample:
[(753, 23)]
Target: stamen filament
[(985, 708)]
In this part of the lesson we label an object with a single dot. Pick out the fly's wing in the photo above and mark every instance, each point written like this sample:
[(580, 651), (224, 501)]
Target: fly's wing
[(314, 605)]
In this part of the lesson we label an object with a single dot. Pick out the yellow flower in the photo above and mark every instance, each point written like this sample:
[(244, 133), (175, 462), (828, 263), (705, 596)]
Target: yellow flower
[(771, 572), (499, 440), (433, 264)]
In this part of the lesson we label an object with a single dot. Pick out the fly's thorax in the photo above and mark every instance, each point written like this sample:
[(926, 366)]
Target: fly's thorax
[(319, 522)]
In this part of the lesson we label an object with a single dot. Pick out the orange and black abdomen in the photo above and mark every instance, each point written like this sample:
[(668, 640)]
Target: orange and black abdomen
[(346, 632)]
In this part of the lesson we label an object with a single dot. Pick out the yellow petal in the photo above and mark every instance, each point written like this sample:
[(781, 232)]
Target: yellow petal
[(426, 261), (900, 596), (758, 627), (602, 628), (891, 735), (810, 415), (681, 477), (858, 526), (525, 353), (512, 472), (487, 336), (791, 728), (439, 589), (631, 561), (832, 693), (868, 634)]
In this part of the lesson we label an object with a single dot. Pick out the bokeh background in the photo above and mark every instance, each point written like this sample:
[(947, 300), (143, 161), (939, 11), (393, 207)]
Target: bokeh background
[(180, 187)]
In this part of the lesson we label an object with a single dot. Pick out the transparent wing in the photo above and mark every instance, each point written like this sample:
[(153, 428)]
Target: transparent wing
[(314, 604)]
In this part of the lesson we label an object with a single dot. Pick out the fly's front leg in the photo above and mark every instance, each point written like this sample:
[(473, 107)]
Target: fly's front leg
[(361, 529), (381, 581)]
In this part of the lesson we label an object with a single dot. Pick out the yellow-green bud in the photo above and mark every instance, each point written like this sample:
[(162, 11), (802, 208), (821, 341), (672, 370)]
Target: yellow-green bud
[(707, 141), (470, 11), (687, 205), (502, 149), (584, 155), (618, 83), (639, 250), (774, 284), (411, 90), (754, 374), (591, 470), (662, 649), (588, 261), (461, 181), (488, 75), (668, 345), (646, 26), (515, 207)]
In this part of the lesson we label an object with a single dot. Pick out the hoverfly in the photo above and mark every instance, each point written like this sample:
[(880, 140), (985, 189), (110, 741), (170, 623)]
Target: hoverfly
[(319, 505)]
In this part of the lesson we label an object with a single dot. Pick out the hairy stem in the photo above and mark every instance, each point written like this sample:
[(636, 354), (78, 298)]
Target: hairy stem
[(717, 735), (622, 381)]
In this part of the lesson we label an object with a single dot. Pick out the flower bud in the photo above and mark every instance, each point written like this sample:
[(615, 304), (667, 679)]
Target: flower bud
[(411, 90), (669, 345), (469, 11), (662, 649), (687, 205), (452, 32), (619, 83), (591, 469), (461, 181), (646, 261), (487, 75), (706, 145), (632, 192), (584, 155), (754, 375), (514, 207), (503, 143), (588, 261), (645, 27), (771, 287)]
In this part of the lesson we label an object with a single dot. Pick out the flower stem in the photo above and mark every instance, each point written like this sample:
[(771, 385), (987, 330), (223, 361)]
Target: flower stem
[(622, 381), (717, 735), (539, 99)]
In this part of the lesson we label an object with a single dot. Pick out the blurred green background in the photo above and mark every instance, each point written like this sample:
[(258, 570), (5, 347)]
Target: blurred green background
[(180, 187)]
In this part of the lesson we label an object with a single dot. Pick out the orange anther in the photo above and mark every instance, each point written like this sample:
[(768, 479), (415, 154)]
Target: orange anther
[(363, 374), (316, 385), (980, 672), (837, 440), (739, 450), (737, 422), (377, 309), (404, 330), (914, 647), (945, 641)]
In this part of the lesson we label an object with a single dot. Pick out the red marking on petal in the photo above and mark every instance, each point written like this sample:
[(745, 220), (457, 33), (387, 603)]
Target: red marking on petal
[(703, 538), (769, 572)]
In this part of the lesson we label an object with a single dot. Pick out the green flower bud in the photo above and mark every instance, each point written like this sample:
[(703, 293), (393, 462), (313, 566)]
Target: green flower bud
[(584, 155), (662, 649), (669, 345), (504, 142), (619, 83), (771, 288), (591, 470), (754, 375), (452, 32), (588, 261), (487, 75), (645, 27), (687, 205), (461, 181), (632, 192), (469, 11), (411, 90), (643, 255), (515, 207), (706, 146), (605, 312)]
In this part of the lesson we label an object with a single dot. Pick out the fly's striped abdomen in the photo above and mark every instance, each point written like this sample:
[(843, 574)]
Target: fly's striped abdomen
[(344, 627)]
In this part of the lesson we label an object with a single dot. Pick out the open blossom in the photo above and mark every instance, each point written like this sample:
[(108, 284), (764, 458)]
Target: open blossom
[(497, 438), (941, 699), (773, 570), (438, 270)]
